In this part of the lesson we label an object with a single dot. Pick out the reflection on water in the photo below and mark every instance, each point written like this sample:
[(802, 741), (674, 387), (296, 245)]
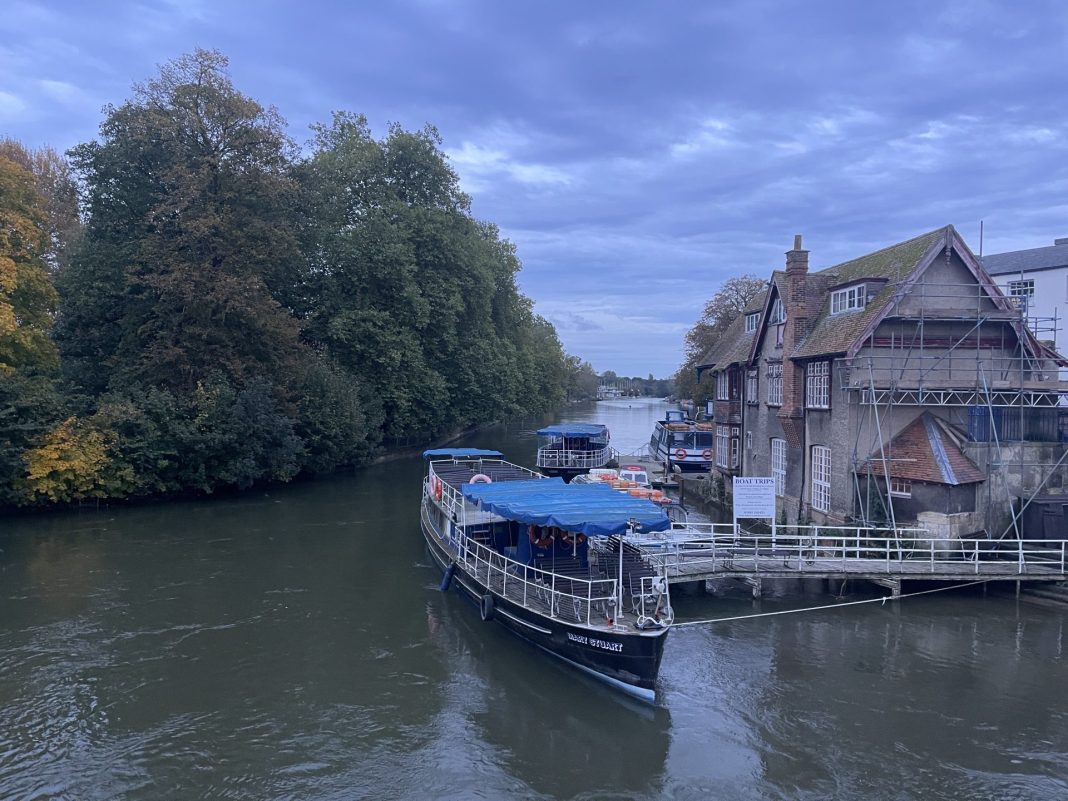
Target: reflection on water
[(292, 644)]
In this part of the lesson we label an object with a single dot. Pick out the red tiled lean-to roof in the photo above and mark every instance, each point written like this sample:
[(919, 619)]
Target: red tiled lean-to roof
[(927, 449)]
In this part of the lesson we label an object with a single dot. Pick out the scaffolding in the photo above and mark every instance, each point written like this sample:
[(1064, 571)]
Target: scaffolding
[(980, 358)]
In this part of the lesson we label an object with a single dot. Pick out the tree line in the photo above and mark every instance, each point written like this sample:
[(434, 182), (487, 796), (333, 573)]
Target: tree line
[(190, 302)]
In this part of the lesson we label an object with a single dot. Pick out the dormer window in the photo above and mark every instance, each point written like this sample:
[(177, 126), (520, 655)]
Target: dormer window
[(778, 312), (845, 300), (751, 321)]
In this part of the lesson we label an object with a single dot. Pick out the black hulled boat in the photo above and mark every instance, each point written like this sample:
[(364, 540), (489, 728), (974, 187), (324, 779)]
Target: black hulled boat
[(550, 561)]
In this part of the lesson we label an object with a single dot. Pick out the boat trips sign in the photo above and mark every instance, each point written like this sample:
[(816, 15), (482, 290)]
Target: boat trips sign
[(754, 497)]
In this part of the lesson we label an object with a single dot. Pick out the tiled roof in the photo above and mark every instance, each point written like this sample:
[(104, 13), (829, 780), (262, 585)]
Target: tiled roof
[(832, 334), (927, 449), (733, 345), (1016, 261)]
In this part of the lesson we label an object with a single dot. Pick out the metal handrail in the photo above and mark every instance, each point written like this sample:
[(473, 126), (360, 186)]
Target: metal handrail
[(826, 546), (582, 459), (492, 568)]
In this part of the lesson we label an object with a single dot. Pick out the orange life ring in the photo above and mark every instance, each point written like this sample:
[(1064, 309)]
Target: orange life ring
[(480, 478), (706, 454), (680, 454), (542, 542), (571, 540), (437, 488)]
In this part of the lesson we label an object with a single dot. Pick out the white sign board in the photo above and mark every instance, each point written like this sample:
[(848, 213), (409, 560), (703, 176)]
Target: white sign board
[(754, 497)]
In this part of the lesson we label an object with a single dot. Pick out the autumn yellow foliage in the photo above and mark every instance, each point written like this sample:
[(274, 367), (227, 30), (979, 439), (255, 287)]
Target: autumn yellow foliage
[(71, 463)]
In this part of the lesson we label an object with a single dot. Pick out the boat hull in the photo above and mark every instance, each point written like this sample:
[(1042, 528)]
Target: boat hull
[(628, 661), (693, 463)]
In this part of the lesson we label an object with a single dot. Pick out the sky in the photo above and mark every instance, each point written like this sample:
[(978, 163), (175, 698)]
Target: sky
[(638, 154)]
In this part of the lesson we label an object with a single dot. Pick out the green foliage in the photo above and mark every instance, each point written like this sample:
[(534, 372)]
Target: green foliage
[(414, 297), (232, 314), (27, 296), (190, 200), (29, 406)]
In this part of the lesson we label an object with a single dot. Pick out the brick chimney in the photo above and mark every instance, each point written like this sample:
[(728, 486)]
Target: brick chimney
[(797, 302), (791, 414)]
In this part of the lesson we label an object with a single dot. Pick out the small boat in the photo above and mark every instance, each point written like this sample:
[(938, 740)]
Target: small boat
[(568, 449), (634, 480), (636, 473), (551, 562), (679, 441)]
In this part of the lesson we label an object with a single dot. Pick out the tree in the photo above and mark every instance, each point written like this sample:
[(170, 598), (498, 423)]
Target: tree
[(27, 295), (412, 296), (720, 310), (190, 227)]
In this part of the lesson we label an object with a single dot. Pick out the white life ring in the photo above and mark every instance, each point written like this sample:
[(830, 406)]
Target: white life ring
[(480, 478)]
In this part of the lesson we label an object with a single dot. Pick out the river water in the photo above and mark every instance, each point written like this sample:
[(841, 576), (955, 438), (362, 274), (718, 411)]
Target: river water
[(292, 644)]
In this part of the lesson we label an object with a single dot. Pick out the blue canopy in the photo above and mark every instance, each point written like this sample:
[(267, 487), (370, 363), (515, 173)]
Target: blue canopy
[(461, 453), (595, 510), (574, 430)]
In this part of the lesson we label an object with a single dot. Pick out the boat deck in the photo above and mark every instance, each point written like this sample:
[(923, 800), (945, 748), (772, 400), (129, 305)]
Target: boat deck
[(456, 474)]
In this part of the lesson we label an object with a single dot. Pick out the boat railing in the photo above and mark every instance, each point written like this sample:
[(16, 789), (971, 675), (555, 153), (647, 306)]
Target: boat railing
[(653, 604), (572, 598), (580, 459), (712, 547)]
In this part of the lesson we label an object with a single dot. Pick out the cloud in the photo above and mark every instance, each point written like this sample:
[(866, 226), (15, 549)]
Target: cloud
[(636, 158), (480, 165), (11, 106)]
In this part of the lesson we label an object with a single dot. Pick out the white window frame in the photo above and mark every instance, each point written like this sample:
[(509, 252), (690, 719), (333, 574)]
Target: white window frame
[(843, 300), (775, 384), (722, 386), (778, 312), (723, 446), (818, 385), (1025, 288), (901, 487), (751, 322), (821, 478), (752, 386), (736, 447), (778, 465)]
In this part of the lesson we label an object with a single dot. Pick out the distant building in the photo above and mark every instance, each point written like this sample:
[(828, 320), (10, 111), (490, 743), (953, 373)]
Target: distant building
[(899, 387), (1037, 280)]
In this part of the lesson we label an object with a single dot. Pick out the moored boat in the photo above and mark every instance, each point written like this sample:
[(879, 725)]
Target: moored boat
[(679, 441), (568, 449), (551, 562)]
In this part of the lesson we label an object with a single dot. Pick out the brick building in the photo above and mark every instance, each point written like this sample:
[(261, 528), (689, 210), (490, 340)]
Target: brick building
[(888, 389)]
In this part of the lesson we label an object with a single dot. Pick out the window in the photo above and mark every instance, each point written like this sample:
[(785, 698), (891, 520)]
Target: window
[(751, 321), (752, 392), (778, 465), (900, 487), (728, 442), (749, 440), (1024, 288), (821, 478), (817, 390), (778, 312), (846, 299), (722, 386), (775, 384), (723, 446)]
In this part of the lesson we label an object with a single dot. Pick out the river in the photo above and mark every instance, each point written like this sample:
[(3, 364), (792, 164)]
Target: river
[(291, 643)]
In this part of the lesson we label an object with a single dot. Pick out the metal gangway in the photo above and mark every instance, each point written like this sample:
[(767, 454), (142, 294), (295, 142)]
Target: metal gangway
[(887, 556)]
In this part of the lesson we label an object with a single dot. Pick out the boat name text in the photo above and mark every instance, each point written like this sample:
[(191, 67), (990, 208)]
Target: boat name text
[(593, 642)]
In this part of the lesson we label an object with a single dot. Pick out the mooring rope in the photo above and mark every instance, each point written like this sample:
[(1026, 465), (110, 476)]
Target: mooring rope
[(881, 600)]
